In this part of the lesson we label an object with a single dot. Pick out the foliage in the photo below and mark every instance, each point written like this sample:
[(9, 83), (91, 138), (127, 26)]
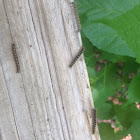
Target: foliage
[(110, 34)]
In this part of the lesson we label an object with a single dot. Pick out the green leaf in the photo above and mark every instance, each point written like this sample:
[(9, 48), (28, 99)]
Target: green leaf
[(102, 96), (97, 9), (117, 124), (106, 84), (105, 111), (91, 72), (89, 49), (95, 94), (127, 26), (107, 39), (130, 67), (107, 133), (109, 78), (126, 114), (134, 89), (112, 26), (135, 130), (115, 58)]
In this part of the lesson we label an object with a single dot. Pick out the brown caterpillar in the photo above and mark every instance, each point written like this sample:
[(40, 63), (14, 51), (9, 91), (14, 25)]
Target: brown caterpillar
[(76, 57), (93, 120), (77, 24), (16, 58)]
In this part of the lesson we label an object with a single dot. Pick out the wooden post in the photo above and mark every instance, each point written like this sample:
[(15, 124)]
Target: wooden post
[(47, 100)]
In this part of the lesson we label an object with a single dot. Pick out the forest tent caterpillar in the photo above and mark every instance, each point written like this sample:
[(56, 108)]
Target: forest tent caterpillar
[(93, 120), (77, 24), (76, 57), (16, 58)]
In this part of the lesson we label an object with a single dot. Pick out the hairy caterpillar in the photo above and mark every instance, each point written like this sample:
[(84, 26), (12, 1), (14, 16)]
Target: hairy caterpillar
[(93, 120), (77, 24), (16, 58), (76, 57)]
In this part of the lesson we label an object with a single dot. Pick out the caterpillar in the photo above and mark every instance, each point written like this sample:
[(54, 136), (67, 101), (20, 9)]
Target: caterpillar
[(93, 120), (16, 58), (76, 57), (77, 24)]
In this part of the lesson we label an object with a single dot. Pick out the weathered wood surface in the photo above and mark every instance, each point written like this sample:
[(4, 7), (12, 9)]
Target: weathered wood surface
[(47, 100)]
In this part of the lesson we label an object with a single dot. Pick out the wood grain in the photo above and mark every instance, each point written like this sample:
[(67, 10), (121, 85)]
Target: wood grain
[(47, 99)]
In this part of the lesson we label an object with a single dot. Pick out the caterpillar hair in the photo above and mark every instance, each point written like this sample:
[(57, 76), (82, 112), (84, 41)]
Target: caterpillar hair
[(93, 121), (16, 58), (77, 24), (76, 57)]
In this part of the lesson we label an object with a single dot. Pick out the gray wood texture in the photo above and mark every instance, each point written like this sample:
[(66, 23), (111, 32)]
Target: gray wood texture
[(47, 100)]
